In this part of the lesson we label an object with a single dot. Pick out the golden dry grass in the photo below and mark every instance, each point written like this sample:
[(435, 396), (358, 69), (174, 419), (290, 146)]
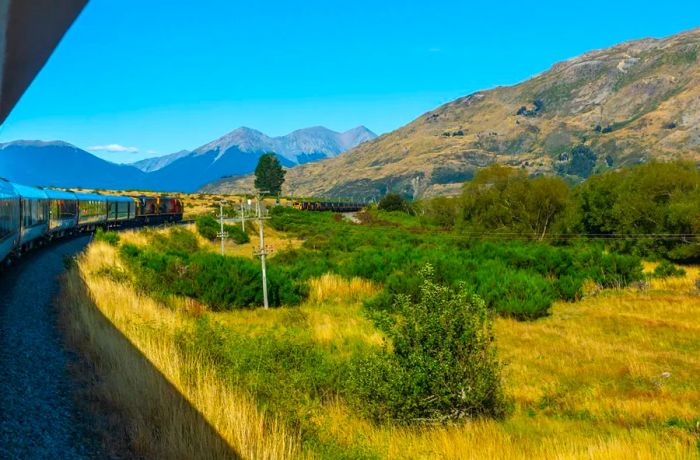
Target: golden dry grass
[(170, 403), (587, 382), (274, 240), (613, 376)]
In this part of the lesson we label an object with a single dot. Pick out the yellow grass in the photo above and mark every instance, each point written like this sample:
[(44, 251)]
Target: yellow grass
[(587, 382), (610, 377), (174, 407), (332, 315)]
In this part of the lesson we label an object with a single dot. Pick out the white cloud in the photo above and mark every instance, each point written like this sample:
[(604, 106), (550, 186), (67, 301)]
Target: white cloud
[(113, 148), (151, 152)]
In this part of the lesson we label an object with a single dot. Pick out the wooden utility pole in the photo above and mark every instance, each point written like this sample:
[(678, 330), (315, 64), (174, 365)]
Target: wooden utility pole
[(263, 251), (242, 215), (222, 234)]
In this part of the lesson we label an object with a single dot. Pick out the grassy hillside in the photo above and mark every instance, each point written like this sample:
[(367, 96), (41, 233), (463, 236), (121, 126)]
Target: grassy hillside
[(612, 375), (607, 108)]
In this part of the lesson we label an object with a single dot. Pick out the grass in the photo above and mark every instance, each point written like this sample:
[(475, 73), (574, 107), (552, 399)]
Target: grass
[(613, 375), (156, 395)]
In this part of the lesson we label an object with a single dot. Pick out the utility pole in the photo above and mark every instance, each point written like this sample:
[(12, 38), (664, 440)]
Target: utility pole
[(242, 215), (222, 234), (263, 251)]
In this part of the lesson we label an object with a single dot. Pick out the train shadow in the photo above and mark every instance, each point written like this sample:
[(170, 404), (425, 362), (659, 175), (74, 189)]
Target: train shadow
[(135, 407)]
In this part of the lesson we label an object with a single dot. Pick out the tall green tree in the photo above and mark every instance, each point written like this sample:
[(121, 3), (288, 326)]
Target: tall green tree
[(505, 199), (269, 175)]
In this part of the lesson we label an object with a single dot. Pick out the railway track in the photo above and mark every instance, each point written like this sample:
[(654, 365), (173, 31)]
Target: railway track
[(39, 415)]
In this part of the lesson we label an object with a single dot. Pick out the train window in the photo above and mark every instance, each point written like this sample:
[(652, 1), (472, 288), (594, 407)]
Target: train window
[(8, 218)]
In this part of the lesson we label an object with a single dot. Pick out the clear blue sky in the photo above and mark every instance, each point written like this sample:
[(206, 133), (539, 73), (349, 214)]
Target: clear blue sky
[(161, 76)]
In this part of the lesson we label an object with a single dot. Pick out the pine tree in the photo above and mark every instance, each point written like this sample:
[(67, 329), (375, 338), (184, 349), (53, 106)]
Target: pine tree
[(269, 175)]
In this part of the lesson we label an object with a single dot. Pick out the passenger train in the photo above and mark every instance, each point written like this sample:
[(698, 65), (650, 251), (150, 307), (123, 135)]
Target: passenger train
[(32, 215)]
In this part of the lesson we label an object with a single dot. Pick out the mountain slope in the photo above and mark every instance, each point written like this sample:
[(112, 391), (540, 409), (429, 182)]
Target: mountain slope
[(63, 165), (156, 163), (238, 152), (633, 102)]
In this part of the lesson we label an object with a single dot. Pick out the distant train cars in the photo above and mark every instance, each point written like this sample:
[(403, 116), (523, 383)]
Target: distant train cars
[(31, 215), (335, 206)]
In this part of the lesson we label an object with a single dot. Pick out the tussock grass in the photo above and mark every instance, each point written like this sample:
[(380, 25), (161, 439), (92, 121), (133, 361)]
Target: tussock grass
[(334, 288), (173, 405), (612, 376)]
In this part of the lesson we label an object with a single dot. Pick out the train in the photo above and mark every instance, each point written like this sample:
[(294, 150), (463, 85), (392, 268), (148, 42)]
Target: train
[(30, 216), (335, 206)]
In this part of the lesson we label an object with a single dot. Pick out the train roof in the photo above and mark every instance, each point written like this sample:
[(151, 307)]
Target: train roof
[(6, 188), (90, 196), (119, 198), (25, 191), (59, 194)]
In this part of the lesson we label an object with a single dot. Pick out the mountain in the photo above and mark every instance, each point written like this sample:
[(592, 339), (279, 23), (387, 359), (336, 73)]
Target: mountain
[(634, 102), (61, 164), (238, 152), (156, 163)]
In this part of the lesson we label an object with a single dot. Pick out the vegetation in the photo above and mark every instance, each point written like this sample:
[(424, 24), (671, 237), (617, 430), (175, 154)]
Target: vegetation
[(209, 228), (108, 237), (271, 383), (505, 200), (173, 264), (383, 339), (514, 278), (442, 366), (269, 175), (649, 210), (392, 202)]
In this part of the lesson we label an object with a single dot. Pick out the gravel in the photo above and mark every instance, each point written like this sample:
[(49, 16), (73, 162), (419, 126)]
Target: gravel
[(39, 417)]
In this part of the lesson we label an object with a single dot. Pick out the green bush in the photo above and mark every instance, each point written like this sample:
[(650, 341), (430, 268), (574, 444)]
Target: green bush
[(209, 228), (443, 366), (666, 269), (171, 265), (392, 202), (111, 238)]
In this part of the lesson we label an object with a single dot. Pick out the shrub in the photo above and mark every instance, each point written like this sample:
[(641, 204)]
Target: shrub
[(223, 283), (392, 202), (666, 269), (209, 228), (111, 238), (443, 366)]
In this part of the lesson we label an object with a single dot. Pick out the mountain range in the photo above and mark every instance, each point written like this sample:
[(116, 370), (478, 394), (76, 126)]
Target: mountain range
[(61, 164), (634, 102)]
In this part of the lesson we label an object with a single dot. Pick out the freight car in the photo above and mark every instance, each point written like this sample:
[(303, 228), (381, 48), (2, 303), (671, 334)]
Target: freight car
[(30, 215), (334, 206)]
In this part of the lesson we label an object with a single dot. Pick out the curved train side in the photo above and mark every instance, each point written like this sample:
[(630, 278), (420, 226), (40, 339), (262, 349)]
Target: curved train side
[(32, 215)]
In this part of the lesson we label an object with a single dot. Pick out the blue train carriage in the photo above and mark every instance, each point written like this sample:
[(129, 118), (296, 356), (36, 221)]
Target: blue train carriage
[(63, 212), (34, 216), (9, 220), (121, 210), (92, 211)]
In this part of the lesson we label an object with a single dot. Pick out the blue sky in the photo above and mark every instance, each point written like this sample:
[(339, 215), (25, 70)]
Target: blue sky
[(156, 77)]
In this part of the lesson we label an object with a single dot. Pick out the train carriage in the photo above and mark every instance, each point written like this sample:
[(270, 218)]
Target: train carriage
[(120, 210), (92, 210), (63, 212), (9, 219), (34, 215)]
